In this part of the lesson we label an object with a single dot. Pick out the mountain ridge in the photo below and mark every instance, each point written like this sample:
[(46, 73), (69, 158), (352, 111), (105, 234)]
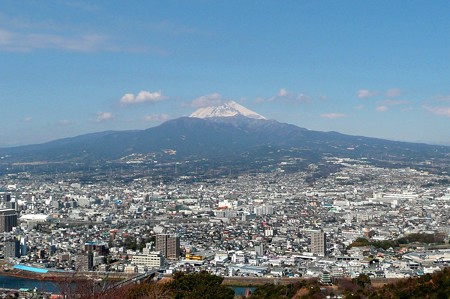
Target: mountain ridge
[(223, 132), (215, 138)]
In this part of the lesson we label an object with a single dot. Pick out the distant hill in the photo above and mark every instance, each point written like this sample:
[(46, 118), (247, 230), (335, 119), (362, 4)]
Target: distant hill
[(217, 136)]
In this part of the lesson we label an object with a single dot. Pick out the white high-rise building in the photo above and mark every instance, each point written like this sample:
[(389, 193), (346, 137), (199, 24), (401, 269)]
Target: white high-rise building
[(151, 260)]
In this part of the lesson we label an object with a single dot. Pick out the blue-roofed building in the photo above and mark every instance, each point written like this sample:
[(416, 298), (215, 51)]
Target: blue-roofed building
[(30, 269)]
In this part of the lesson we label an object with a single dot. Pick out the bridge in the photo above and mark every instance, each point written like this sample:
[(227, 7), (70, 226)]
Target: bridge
[(133, 280)]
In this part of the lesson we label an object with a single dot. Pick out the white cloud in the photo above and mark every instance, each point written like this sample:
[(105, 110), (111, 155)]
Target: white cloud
[(284, 95), (283, 92), (365, 93), (104, 116), (393, 92), (142, 97), (146, 96), (27, 119), (323, 98), (442, 98), (439, 110), (156, 118), (65, 122), (407, 109), (24, 34), (5, 37), (18, 34), (260, 100), (333, 115), (393, 102), (302, 98), (382, 108), (14, 41), (80, 5), (127, 98), (24, 23), (214, 99), (173, 28)]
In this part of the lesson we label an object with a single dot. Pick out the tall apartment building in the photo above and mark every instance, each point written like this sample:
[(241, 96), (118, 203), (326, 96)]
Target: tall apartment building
[(318, 243), (8, 220), (12, 248), (168, 245)]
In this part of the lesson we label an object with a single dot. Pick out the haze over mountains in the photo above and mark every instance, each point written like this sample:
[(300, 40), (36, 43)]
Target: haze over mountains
[(222, 132)]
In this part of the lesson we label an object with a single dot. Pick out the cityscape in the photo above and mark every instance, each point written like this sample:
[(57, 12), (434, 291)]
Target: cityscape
[(204, 149), (270, 225)]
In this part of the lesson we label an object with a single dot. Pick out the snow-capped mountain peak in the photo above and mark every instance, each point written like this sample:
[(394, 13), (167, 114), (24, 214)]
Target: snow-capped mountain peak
[(227, 109)]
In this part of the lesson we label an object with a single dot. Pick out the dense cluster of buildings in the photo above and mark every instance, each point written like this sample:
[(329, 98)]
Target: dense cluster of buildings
[(267, 224)]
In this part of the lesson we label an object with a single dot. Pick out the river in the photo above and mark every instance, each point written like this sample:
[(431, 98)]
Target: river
[(11, 282)]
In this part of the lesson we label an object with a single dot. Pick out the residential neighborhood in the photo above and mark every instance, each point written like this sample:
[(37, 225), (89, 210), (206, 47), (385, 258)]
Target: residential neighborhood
[(269, 224)]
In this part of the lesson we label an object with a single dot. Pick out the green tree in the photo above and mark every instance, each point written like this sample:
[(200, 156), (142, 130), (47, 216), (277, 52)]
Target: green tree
[(362, 280), (270, 291), (199, 286), (359, 242), (150, 290)]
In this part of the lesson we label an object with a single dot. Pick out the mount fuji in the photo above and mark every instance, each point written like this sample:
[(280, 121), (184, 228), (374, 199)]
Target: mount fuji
[(225, 132), (228, 109)]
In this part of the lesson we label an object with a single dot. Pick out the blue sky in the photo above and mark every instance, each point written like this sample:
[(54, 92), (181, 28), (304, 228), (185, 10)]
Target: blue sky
[(371, 68)]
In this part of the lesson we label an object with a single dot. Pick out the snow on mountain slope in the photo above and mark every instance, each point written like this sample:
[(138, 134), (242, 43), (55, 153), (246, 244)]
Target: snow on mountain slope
[(227, 109)]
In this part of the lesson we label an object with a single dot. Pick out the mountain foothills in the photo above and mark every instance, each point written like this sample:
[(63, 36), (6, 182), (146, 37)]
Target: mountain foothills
[(226, 132)]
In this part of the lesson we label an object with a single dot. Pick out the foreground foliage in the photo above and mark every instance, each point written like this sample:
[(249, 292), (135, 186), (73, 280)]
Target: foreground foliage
[(206, 286), (199, 286), (432, 286), (435, 286)]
